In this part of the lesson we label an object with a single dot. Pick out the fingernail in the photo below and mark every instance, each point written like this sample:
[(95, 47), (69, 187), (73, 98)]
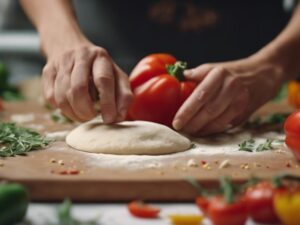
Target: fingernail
[(177, 124), (188, 73)]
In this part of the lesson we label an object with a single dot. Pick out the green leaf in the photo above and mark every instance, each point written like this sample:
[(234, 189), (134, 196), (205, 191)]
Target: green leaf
[(64, 216), (267, 145), (12, 96), (247, 145), (15, 140)]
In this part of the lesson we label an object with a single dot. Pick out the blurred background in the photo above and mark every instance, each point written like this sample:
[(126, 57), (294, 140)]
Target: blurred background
[(208, 31)]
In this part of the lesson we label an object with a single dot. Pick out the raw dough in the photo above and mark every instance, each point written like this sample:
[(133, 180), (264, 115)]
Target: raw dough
[(127, 138)]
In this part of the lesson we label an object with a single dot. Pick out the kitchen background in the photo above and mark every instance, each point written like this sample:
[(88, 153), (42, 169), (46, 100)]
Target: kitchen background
[(19, 42)]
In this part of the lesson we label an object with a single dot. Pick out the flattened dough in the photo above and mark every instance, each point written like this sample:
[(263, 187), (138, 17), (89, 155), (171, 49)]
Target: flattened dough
[(127, 138)]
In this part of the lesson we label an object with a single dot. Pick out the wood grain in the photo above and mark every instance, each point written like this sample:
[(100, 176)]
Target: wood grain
[(95, 183)]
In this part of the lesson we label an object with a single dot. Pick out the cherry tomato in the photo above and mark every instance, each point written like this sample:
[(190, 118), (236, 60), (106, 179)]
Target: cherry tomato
[(259, 200), (292, 130), (142, 210), (222, 213), (1, 105), (202, 204)]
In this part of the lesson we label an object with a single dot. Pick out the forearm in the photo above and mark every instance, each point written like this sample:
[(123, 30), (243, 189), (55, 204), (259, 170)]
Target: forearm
[(55, 21), (285, 49)]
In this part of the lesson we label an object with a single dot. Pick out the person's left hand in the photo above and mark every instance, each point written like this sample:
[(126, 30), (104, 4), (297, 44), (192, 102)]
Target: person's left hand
[(227, 94)]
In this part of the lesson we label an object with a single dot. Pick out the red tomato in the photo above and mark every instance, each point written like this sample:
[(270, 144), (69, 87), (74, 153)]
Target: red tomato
[(202, 204), (222, 213), (259, 200), (158, 94), (139, 209), (149, 67), (292, 130), (1, 105)]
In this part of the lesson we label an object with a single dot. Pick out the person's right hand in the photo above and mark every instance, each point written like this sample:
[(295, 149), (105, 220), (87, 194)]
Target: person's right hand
[(70, 75)]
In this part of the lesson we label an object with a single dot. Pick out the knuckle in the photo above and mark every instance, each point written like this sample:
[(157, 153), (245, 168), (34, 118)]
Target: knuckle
[(103, 80), (81, 62), (83, 53), (84, 49), (210, 109), (101, 52), (68, 54), (234, 82), (48, 70), (221, 71), (79, 87), (206, 65)]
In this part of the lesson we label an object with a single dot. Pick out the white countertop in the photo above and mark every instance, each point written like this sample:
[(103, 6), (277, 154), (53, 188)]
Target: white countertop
[(109, 214)]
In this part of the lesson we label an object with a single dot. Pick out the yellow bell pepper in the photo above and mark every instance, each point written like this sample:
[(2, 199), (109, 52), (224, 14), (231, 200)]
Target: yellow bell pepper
[(287, 206), (186, 219), (294, 93)]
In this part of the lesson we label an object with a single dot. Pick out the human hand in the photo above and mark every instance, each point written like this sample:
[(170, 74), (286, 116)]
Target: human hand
[(71, 74), (227, 94)]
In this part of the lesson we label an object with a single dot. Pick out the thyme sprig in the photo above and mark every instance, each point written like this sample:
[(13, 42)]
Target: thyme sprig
[(64, 216), (247, 145), (250, 145), (15, 140)]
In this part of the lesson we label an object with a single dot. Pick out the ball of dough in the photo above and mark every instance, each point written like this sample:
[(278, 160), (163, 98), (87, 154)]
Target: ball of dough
[(127, 138)]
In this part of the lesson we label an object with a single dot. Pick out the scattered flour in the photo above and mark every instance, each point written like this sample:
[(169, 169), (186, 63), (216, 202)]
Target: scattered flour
[(192, 163), (225, 146), (22, 118), (37, 127), (58, 135)]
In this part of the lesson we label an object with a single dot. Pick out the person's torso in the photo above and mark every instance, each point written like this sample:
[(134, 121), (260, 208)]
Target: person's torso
[(196, 31)]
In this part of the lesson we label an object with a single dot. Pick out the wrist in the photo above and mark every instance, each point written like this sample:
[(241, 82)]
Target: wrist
[(283, 58), (60, 39)]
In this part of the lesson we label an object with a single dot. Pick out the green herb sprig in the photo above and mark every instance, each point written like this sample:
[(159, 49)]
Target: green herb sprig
[(15, 140), (251, 146), (64, 216), (247, 145)]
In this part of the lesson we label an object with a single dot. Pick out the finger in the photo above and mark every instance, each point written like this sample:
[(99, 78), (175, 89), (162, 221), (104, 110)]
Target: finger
[(203, 92), (245, 111), (124, 93), (48, 80), (216, 107), (225, 121), (198, 73), (105, 82), (79, 96), (61, 87)]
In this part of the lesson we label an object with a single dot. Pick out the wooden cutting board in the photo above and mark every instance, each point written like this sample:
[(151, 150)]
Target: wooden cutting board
[(39, 169)]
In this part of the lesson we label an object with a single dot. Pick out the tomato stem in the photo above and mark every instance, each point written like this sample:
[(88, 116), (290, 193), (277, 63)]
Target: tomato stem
[(177, 70), (227, 189)]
